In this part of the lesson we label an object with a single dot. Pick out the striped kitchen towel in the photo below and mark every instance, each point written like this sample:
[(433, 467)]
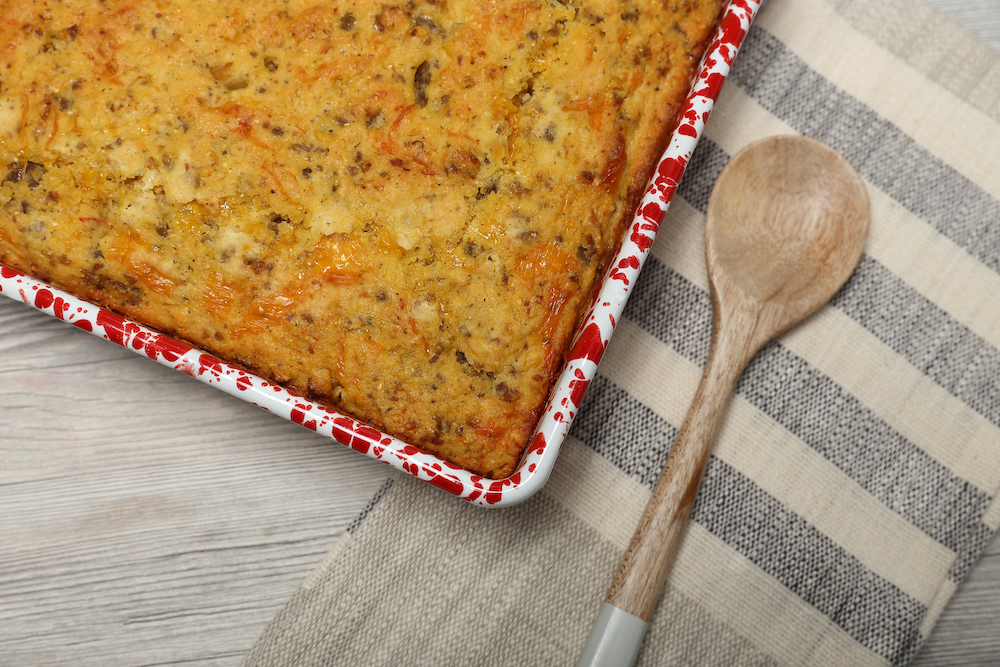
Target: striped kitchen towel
[(854, 479)]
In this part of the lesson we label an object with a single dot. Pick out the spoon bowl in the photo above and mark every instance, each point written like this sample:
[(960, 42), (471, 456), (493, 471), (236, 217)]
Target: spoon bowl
[(786, 224)]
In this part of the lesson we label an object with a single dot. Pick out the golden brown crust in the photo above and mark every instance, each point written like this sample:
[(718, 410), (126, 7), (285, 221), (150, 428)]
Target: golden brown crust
[(397, 209)]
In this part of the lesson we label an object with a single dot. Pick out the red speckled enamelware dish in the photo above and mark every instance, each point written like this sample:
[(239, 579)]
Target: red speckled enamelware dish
[(591, 339)]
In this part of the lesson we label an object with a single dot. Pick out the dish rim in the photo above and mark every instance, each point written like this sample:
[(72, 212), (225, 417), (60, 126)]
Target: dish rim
[(591, 338)]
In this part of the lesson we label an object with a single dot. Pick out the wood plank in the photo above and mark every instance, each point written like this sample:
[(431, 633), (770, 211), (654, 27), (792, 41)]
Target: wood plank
[(148, 518), (982, 17)]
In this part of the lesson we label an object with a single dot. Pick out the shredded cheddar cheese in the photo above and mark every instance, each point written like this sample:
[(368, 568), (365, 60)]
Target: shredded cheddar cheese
[(399, 209)]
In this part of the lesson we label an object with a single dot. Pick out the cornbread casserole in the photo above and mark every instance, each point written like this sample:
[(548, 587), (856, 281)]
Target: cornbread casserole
[(399, 210)]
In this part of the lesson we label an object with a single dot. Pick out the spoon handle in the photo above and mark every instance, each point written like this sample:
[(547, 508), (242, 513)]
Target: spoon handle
[(636, 588)]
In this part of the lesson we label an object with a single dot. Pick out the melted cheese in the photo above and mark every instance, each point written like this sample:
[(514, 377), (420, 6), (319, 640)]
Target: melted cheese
[(397, 209)]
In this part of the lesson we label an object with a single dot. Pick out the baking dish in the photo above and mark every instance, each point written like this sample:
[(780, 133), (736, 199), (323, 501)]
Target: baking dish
[(591, 339)]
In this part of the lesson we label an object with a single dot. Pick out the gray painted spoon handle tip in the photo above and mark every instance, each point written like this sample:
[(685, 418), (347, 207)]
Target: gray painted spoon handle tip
[(614, 639)]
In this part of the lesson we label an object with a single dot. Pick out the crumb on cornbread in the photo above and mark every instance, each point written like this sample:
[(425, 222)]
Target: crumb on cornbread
[(399, 210)]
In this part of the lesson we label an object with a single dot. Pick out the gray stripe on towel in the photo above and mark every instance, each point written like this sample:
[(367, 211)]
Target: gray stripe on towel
[(940, 347), (821, 413), (759, 527), (945, 350), (872, 610), (892, 161), (624, 431)]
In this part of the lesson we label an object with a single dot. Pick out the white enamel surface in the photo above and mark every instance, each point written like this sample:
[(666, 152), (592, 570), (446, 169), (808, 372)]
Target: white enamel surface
[(592, 337)]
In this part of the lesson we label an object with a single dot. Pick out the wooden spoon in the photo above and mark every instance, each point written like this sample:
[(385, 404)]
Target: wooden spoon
[(786, 225)]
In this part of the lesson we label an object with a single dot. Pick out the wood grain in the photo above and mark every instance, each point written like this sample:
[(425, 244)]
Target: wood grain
[(147, 518), (129, 545), (786, 224), (639, 580), (981, 17)]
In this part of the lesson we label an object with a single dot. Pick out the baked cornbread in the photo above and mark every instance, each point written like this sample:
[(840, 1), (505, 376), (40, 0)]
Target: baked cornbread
[(399, 210)]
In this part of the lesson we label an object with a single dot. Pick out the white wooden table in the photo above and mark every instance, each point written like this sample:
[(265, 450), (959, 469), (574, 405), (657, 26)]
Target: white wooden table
[(125, 490)]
